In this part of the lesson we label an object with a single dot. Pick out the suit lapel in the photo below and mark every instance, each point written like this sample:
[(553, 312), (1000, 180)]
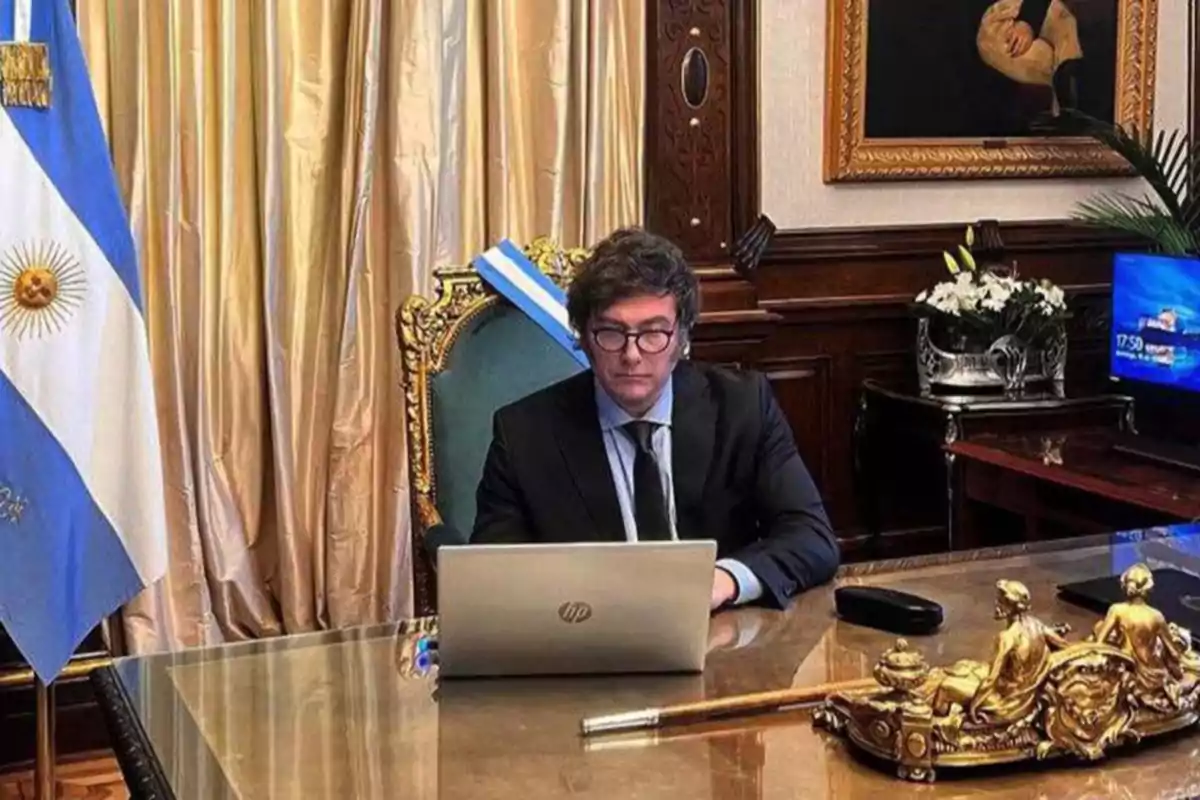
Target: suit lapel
[(582, 446), (693, 430)]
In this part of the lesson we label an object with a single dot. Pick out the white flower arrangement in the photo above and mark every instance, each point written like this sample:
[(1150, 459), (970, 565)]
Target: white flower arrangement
[(974, 292), (979, 305)]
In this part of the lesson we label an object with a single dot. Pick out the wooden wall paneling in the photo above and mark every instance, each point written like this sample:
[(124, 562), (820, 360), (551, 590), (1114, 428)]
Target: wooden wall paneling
[(891, 368), (722, 289), (804, 385), (731, 337), (890, 265)]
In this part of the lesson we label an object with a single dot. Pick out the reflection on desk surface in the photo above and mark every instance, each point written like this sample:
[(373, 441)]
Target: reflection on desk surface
[(1089, 453), (346, 714)]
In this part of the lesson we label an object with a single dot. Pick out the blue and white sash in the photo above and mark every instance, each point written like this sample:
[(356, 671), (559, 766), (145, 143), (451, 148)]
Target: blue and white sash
[(510, 272)]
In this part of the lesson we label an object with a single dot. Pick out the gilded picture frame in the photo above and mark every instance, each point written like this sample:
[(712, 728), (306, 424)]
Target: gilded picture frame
[(853, 154)]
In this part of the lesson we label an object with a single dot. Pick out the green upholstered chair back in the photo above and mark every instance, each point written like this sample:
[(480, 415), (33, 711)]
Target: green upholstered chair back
[(467, 353), (500, 356)]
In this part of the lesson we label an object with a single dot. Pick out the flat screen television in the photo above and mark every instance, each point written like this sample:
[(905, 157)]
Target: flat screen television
[(1156, 320), (1155, 340)]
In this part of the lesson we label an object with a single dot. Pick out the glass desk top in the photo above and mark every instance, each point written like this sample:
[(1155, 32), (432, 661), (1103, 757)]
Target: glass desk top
[(353, 713)]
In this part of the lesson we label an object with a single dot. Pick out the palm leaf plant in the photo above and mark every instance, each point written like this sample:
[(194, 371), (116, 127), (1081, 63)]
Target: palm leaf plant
[(1167, 217)]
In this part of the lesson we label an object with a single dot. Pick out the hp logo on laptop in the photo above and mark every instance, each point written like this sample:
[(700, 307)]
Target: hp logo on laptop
[(574, 611)]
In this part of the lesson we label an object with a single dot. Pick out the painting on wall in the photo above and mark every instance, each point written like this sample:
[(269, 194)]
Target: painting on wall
[(927, 89)]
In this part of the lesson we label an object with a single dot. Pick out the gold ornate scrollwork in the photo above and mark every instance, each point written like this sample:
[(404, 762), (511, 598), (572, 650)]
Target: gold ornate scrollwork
[(25, 78), (1039, 696)]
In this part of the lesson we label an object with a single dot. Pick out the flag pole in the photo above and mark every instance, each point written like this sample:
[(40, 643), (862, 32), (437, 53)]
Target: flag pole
[(43, 765)]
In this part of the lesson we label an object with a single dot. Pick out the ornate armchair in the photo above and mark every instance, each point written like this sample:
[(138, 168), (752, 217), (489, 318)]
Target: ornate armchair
[(466, 353)]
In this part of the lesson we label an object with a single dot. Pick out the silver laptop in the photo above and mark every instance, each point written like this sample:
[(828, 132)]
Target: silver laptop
[(584, 608)]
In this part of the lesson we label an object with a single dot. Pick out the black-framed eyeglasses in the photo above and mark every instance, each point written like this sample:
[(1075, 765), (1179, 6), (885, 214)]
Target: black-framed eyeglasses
[(614, 340)]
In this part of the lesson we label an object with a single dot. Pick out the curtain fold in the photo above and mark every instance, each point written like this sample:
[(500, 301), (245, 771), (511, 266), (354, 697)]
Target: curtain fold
[(294, 169)]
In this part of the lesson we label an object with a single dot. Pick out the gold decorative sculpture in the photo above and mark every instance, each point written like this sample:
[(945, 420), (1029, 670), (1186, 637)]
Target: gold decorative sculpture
[(1167, 669), (1040, 696)]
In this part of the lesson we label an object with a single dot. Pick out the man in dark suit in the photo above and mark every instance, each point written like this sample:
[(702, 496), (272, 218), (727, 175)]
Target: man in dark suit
[(645, 446)]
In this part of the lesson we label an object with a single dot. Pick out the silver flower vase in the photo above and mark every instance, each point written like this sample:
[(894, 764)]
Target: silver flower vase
[(1008, 364), (1010, 360)]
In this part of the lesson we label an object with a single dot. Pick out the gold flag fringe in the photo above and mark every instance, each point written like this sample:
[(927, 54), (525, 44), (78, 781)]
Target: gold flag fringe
[(24, 74)]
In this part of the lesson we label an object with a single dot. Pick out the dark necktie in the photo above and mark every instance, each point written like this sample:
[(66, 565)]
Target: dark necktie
[(650, 507)]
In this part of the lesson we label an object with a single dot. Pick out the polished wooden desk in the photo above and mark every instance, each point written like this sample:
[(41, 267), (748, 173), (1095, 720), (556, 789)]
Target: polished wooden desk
[(1063, 484), (347, 715)]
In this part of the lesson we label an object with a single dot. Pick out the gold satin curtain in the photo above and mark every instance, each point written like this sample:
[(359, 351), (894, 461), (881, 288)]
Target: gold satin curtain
[(294, 169)]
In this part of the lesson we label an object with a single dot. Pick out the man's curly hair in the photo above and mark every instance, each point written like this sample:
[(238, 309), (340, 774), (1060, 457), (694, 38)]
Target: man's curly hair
[(628, 263)]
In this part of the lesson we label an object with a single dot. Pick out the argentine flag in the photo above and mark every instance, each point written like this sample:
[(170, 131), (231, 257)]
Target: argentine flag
[(82, 523)]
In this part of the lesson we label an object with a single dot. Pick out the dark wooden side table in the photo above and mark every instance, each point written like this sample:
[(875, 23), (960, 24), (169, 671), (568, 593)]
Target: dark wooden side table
[(905, 479)]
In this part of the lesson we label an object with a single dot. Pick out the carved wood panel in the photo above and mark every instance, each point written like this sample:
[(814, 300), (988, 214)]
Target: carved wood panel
[(688, 170)]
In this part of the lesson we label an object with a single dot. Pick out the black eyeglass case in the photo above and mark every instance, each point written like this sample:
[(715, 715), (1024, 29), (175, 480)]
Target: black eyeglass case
[(887, 609)]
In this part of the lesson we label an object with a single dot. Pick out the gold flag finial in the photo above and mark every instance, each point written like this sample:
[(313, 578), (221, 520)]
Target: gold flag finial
[(25, 74)]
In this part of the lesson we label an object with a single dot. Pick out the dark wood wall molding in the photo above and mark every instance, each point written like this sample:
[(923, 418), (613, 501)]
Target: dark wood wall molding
[(843, 244), (880, 270)]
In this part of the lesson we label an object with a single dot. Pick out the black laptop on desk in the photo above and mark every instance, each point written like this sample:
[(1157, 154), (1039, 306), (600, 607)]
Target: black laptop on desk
[(1176, 594)]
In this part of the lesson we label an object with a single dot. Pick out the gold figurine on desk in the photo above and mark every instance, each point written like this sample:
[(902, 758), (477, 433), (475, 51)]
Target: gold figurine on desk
[(1040, 696)]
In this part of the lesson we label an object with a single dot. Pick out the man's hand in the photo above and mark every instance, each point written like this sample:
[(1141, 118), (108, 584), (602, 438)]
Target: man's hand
[(1020, 39), (724, 589)]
